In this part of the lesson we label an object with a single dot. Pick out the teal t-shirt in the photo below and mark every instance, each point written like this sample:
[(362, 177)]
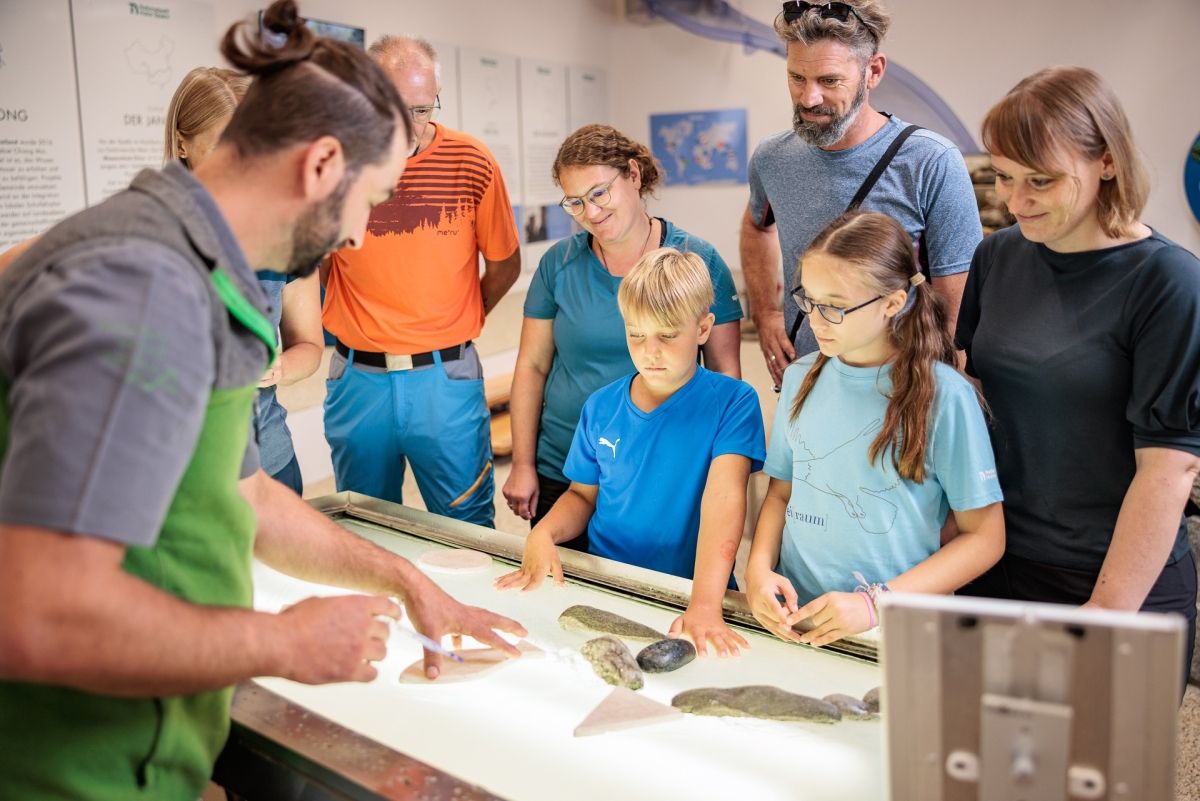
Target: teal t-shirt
[(572, 288), (846, 514)]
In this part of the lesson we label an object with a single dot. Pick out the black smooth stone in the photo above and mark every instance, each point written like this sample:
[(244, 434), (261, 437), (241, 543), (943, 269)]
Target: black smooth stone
[(666, 655)]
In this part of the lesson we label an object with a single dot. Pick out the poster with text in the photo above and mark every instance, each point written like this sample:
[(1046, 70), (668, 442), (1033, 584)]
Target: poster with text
[(131, 58), (448, 95), (588, 97), (41, 165), (543, 127), (700, 147), (488, 95)]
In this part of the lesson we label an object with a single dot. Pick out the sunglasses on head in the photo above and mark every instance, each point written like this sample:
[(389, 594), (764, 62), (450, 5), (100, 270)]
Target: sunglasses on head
[(795, 9)]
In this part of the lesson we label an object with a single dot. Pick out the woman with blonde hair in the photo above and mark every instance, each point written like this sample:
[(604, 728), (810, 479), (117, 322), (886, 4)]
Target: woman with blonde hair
[(1083, 327), (573, 338), (199, 110)]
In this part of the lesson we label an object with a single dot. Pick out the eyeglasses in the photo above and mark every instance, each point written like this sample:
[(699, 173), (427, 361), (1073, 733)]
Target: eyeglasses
[(833, 314), (795, 9), (423, 113), (599, 196)]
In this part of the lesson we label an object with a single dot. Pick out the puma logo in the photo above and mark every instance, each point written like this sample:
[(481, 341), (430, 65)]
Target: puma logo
[(613, 445)]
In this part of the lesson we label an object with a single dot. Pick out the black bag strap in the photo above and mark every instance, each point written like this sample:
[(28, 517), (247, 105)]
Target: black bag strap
[(880, 166), (796, 327), (862, 193)]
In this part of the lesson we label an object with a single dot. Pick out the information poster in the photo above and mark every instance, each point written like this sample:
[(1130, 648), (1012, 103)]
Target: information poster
[(700, 147), (135, 55), (448, 95), (41, 164), (488, 87), (588, 97), (543, 127)]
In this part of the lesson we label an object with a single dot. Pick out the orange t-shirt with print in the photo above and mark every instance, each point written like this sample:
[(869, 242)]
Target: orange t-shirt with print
[(414, 284)]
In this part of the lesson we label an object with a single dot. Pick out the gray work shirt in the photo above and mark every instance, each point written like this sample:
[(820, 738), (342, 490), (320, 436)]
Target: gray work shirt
[(112, 338)]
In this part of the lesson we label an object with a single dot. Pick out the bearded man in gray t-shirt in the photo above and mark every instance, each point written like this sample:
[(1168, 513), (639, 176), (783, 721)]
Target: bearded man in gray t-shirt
[(801, 179)]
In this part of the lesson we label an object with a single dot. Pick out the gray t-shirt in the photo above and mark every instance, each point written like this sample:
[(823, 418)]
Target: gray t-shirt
[(275, 448), (926, 189), (110, 345)]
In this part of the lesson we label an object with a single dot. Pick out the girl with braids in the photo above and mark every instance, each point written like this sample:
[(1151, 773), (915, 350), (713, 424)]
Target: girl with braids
[(573, 338), (876, 439)]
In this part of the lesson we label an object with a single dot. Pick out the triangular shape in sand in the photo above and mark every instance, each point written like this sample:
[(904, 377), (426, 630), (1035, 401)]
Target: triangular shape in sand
[(624, 709)]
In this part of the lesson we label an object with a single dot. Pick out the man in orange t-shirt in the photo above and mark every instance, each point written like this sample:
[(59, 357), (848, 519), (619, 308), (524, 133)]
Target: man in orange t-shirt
[(405, 383)]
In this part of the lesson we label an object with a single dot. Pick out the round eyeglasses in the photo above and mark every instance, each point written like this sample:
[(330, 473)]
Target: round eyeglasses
[(599, 196), (833, 314)]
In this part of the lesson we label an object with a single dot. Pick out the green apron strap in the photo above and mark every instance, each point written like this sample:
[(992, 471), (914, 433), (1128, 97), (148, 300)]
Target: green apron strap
[(244, 312)]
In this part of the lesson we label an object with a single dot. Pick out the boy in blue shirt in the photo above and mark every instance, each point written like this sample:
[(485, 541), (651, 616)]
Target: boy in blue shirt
[(661, 458)]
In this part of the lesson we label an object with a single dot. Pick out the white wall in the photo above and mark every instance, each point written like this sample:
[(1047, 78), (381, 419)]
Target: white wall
[(567, 31), (969, 51)]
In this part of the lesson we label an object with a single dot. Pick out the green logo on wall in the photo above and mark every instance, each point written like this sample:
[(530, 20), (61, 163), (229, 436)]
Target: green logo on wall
[(143, 10)]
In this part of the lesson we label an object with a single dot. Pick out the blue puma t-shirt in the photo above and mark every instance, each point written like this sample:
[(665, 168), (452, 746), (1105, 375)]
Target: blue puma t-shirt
[(652, 467), (846, 514)]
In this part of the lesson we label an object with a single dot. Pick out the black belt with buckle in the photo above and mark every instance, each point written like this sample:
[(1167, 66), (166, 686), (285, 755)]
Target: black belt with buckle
[(389, 361)]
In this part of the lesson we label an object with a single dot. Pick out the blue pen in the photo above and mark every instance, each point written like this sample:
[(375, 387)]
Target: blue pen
[(429, 643)]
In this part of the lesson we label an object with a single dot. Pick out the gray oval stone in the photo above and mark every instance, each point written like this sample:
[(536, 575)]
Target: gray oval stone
[(871, 699), (666, 655), (851, 708), (589, 618)]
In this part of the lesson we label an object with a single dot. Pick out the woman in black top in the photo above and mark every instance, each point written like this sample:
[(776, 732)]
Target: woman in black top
[(1083, 327)]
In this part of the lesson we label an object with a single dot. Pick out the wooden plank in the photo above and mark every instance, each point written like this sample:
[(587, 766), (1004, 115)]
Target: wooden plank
[(497, 390), (501, 434)]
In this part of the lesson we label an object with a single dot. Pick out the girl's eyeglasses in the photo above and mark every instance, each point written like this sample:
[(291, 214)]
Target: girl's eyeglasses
[(834, 314)]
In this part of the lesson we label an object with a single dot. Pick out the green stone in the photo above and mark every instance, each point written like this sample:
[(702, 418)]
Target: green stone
[(613, 662), (756, 701), (666, 655), (588, 618)]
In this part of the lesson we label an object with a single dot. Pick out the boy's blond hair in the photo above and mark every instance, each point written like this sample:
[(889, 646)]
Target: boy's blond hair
[(672, 287)]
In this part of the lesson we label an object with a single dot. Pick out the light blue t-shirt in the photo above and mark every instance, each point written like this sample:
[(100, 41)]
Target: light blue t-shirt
[(652, 467), (926, 189), (846, 514), (274, 438), (572, 288)]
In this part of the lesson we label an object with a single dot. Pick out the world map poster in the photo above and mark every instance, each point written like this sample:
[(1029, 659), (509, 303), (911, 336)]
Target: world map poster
[(700, 147)]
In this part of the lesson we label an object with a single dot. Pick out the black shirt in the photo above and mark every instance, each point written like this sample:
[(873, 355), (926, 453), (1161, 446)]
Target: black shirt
[(1083, 357)]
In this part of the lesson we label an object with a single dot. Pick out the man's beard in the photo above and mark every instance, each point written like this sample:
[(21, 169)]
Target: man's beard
[(826, 134), (318, 232)]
